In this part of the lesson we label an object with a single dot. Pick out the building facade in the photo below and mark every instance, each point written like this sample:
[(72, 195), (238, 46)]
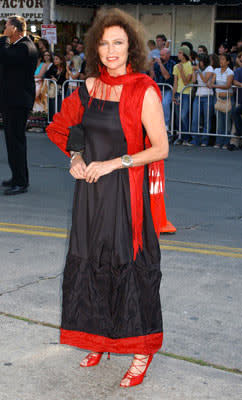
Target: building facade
[(207, 22)]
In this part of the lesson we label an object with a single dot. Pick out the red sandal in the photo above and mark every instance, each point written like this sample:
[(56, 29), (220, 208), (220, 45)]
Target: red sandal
[(92, 359), (136, 379)]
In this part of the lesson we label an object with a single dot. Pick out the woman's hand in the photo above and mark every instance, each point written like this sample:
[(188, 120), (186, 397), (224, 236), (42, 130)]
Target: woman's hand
[(97, 169), (210, 85), (78, 168)]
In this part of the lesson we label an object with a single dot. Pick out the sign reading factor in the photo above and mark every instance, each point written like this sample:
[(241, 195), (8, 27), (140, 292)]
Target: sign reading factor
[(31, 10), (21, 4)]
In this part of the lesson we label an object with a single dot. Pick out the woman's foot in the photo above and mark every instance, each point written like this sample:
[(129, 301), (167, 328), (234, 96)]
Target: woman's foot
[(91, 359), (136, 372)]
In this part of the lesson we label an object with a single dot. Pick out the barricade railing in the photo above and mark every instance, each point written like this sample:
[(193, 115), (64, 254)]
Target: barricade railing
[(168, 106), (69, 86), (212, 98), (52, 95)]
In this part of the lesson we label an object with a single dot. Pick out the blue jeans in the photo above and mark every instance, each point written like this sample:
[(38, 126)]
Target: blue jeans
[(221, 126), (184, 114), (166, 102), (206, 111), (237, 117)]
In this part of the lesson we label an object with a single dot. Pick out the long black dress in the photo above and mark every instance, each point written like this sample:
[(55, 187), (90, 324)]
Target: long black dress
[(110, 302)]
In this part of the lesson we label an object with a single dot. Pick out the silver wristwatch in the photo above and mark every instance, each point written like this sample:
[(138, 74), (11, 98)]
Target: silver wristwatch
[(127, 161)]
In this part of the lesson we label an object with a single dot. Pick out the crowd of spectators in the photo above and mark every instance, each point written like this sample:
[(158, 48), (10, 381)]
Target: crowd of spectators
[(213, 105), (197, 109)]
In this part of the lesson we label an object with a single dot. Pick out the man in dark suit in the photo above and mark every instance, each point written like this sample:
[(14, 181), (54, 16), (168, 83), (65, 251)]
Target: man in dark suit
[(18, 59)]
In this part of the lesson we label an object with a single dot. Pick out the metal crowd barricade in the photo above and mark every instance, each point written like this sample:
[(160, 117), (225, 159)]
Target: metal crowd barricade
[(162, 87), (52, 95), (210, 98), (69, 87)]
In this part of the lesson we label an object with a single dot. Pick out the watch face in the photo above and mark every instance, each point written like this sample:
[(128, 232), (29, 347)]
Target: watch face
[(126, 159)]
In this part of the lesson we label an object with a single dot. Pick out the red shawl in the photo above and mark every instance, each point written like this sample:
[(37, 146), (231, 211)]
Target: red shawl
[(135, 86)]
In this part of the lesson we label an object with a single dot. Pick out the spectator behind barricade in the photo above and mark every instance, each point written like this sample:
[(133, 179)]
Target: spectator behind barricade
[(43, 45), (223, 49), (188, 44), (57, 72), (237, 109), (75, 42), (239, 45), (182, 76), (83, 70), (68, 48), (203, 102), (80, 51), (40, 68), (163, 73), (193, 58), (69, 56), (48, 60), (214, 60), (73, 73), (154, 52), (233, 53), (238, 61), (222, 81), (202, 49), (161, 41)]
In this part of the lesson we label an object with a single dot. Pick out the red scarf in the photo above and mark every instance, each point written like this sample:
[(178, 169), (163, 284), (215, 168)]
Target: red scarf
[(134, 88)]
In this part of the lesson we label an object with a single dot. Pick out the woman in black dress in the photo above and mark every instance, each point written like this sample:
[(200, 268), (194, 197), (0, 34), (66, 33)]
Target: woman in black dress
[(111, 300)]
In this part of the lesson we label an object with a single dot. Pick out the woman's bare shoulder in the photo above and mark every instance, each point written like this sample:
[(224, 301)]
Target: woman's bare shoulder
[(89, 83), (151, 96)]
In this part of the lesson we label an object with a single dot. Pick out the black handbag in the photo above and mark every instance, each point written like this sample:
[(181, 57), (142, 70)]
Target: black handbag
[(76, 140)]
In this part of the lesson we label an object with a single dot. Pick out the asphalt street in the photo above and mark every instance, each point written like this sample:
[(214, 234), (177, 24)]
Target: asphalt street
[(201, 289)]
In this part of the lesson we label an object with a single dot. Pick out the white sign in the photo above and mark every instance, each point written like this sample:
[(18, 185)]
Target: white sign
[(48, 32), (31, 10)]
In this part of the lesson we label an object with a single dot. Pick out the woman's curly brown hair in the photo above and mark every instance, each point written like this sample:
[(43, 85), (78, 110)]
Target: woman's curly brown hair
[(115, 17)]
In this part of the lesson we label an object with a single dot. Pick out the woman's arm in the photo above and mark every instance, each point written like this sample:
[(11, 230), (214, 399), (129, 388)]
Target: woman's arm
[(42, 72), (70, 115), (205, 78), (186, 78), (153, 120), (174, 88), (237, 83), (74, 76), (211, 83), (228, 84)]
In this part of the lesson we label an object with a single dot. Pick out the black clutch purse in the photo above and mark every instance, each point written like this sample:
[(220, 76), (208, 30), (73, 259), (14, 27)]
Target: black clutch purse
[(76, 140)]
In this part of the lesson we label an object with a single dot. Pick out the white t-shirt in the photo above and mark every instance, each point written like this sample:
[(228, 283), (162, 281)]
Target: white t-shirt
[(221, 79), (204, 90)]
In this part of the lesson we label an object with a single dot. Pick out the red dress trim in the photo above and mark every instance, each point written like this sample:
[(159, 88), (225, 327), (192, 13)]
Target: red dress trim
[(148, 344)]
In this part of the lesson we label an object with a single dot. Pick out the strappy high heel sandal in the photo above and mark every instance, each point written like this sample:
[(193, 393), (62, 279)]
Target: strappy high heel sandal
[(92, 359), (137, 378)]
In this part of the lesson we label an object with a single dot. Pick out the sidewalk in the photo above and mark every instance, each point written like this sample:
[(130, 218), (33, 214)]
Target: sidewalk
[(200, 293)]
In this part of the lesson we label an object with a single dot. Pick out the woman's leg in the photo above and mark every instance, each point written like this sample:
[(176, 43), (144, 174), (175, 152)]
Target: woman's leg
[(207, 114), (185, 116), (220, 128), (195, 120)]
